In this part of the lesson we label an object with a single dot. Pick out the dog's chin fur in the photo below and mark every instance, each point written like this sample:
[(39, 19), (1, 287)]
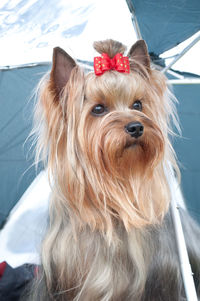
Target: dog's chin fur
[(110, 197)]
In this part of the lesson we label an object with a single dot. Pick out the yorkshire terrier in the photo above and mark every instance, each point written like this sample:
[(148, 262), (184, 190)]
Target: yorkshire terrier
[(104, 137)]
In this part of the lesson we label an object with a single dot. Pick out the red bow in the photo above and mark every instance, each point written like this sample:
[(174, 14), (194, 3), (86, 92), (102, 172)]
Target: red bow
[(119, 63)]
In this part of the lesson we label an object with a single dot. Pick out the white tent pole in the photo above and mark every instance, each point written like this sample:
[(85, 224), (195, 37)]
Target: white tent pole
[(184, 51), (187, 274), (186, 271), (186, 81), (134, 20)]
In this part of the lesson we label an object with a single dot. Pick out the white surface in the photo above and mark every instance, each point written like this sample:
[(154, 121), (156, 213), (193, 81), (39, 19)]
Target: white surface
[(73, 25), (38, 26), (20, 239)]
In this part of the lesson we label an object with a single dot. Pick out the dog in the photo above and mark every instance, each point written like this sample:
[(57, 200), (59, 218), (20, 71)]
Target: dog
[(104, 138)]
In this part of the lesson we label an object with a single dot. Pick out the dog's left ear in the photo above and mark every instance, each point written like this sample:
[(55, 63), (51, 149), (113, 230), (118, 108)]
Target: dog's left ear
[(139, 53), (62, 66)]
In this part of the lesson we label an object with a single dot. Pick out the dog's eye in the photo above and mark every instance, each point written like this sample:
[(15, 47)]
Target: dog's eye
[(99, 110), (137, 105)]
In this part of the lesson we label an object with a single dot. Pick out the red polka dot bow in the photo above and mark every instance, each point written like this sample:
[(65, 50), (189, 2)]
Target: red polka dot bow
[(104, 63)]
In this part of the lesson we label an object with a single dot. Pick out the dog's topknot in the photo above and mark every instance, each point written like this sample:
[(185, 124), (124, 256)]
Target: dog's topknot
[(110, 47)]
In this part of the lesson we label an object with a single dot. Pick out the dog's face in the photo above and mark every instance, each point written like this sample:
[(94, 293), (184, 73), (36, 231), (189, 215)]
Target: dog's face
[(121, 126), (107, 137)]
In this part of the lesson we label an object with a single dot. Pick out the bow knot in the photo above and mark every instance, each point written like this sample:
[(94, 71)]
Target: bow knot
[(104, 63)]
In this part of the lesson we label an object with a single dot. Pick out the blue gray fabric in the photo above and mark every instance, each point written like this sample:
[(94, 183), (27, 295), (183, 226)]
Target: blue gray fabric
[(187, 147), (165, 24), (16, 170)]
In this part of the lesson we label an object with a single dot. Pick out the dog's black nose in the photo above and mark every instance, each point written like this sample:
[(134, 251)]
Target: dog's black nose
[(135, 129)]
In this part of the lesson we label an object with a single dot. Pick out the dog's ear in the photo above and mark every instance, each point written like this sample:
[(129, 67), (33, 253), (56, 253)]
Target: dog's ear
[(139, 53), (62, 66)]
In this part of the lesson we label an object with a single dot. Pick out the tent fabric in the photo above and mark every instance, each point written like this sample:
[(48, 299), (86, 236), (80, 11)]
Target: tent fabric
[(187, 147), (165, 24), (16, 170)]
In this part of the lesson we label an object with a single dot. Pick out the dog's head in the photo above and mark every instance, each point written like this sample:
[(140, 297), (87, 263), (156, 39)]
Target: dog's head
[(106, 138)]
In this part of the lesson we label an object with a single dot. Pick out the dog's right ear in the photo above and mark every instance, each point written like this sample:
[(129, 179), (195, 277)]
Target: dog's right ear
[(62, 66), (139, 53)]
